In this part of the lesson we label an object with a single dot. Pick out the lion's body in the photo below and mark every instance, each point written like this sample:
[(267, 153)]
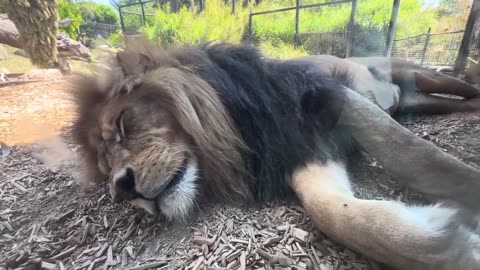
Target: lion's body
[(263, 99), (167, 128)]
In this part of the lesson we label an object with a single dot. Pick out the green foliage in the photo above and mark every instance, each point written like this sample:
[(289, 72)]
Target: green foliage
[(281, 50), (214, 23), (371, 23), (97, 12), (68, 9), (275, 32), (371, 14), (115, 38), (132, 15)]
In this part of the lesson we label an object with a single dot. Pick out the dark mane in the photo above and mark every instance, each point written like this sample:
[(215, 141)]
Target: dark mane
[(276, 115), (271, 103)]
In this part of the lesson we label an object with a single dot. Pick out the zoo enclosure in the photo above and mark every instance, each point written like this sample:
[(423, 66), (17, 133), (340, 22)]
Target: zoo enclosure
[(140, 17), (433, 48), (93, 29), (449, 43), (347, 38)]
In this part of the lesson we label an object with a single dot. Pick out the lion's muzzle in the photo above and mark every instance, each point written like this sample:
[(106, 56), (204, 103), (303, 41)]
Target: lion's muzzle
[(123, 186)]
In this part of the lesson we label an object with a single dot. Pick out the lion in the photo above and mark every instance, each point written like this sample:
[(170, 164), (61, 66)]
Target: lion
[(171, 128)]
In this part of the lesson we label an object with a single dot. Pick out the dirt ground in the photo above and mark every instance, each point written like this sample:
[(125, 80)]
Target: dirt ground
[(48, 222)]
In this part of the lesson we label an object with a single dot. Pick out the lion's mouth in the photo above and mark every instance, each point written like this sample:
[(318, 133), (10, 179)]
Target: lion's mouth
[(176, 179), (178, 198)]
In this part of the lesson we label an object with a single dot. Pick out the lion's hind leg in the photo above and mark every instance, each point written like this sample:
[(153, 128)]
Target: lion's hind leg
[(388, 231)]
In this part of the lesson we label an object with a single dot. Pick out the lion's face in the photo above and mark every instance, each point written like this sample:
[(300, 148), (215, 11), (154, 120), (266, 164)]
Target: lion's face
[(147, 155), (152, 126)]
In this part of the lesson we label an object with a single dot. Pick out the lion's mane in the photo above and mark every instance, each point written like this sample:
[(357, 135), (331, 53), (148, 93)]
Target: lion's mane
[(253, 120)]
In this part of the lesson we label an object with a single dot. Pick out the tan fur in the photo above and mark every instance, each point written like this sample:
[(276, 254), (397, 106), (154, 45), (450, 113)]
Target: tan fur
[(408, 87), (472, 73), (189, 117), (170, 115), (405, 237)]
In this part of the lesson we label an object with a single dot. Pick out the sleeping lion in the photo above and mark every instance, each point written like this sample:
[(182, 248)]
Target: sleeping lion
[(169, 129)]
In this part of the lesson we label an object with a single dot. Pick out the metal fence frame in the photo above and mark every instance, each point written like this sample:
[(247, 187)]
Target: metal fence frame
[(462, 51), (460, 61), (106, 29), (142, 14), (298, 6)]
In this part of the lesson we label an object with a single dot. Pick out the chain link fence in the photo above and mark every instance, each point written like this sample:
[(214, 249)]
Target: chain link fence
[(93, 29), (439, 45)]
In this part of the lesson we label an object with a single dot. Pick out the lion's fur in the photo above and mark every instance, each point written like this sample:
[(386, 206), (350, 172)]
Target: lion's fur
[(254, 127), (243, 112), (197, 109)]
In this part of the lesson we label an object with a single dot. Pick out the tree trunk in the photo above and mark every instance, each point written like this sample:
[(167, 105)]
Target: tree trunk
[(66, 46), (36, 21)]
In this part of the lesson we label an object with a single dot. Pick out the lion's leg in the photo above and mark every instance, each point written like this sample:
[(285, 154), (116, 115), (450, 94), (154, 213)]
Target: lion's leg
[(388, 231), (435, 82), (415, 161), (429, 104)]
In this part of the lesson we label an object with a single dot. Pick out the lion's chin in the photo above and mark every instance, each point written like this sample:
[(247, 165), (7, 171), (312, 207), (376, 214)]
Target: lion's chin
[(177, 202)]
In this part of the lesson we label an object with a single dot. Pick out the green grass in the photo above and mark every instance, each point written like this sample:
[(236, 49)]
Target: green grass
[(19, 64), (16, 63), (281, 50), (275, 32), (188, 27)]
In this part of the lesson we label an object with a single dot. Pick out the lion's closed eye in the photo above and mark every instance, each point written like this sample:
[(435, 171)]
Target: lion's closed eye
[(119, 122)]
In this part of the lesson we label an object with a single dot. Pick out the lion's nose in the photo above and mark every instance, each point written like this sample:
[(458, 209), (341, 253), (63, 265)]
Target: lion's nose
[(124, 185)]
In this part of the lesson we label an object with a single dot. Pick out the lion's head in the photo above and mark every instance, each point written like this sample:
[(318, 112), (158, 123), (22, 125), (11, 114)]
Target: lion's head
[(158, 134)]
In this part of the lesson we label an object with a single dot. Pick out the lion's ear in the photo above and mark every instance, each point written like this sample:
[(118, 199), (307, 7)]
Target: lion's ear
[(133, 63)]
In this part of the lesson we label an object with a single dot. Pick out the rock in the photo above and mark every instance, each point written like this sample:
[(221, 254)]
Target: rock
[(21, 53), (69, 47), (3, 53)]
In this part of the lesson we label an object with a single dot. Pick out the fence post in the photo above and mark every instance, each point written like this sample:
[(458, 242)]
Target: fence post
[(296, 38), (143, 13), (250, 26), (122, 23), (425, 46), (461, 60), (391, 28), (234, 6), (351, 29)]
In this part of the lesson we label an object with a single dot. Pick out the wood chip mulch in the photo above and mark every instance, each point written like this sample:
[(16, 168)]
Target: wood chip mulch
[(48, 222)]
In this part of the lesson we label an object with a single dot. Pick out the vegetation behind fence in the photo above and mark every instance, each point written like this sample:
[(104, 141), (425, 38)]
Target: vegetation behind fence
[(321, 29), (439, 42)]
